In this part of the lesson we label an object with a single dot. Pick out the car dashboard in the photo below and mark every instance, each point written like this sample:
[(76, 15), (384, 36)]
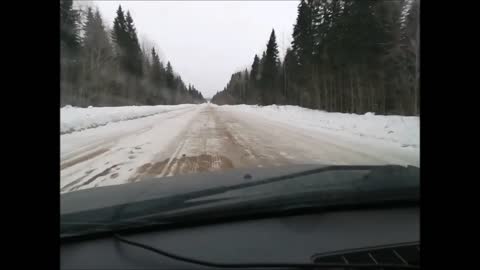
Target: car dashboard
[(338, 236)]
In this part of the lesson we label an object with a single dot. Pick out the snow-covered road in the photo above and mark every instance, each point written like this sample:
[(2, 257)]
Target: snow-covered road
[(196, 138)]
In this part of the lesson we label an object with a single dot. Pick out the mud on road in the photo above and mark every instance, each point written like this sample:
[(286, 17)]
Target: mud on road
[(209, 143)]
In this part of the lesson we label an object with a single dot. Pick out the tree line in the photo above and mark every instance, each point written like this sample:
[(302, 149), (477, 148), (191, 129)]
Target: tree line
[(352, 56), (103, 67)]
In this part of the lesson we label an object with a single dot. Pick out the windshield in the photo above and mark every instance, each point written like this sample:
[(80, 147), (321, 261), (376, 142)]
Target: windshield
[(172, 107)]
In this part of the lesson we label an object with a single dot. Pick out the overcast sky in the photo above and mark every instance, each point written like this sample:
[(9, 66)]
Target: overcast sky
[(207, 41)]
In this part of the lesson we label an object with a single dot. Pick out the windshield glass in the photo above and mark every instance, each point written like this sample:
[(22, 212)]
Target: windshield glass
[(172, 108)]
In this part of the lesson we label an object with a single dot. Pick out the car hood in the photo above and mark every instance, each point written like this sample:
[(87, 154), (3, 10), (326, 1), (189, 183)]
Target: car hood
[(238, 183), (152, 188)]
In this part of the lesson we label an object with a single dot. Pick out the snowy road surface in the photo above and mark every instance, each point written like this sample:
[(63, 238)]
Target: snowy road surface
[(197, 138)]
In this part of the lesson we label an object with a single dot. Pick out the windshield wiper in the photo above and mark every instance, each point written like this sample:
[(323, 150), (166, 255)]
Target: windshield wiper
[(357, 187), (260, 265), (268, 207)]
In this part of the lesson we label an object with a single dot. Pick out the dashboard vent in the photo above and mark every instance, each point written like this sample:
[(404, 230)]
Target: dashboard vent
[(406, 254)]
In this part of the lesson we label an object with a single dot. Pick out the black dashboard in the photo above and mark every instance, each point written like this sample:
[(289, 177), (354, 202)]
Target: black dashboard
[(293, 239)]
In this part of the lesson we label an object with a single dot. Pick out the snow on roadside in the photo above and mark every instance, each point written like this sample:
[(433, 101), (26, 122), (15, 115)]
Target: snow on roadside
[(116, 151), (77, 119), (402, 130)]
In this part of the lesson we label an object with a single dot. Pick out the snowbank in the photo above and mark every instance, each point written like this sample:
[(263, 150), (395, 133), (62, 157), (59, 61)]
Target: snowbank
[(404, 130), (76, 119)]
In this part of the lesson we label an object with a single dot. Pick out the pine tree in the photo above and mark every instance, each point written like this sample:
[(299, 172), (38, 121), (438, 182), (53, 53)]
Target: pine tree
[(411, 45), (302, 43), (270, 70), (96, 60), (302, 47), (119, 30), (251, 95), (157, 79), (120, 38), (245, 86), (70, 73), (254, 72), (133, 47), (260, 68), (103, 42), (89, 28), (96, 45), (246, 75), (156, 74), (290, 68), (170, 76), (69, 28)]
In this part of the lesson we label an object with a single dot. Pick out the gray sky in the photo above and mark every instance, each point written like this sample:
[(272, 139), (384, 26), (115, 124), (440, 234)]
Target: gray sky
[(207, 41)]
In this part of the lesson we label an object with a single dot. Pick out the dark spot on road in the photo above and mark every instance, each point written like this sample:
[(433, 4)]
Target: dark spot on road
[(183, 155), (64, 188), (144, 167), (114, 175), (131, 157), (82, 158), (140, 171), (184, 165), (138, 147), (108, 162), (247, 176), (103, 173)]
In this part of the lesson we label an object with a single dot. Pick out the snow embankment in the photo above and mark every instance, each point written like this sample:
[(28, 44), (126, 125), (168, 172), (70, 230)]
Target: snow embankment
[(402, 130), (76, 119)]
